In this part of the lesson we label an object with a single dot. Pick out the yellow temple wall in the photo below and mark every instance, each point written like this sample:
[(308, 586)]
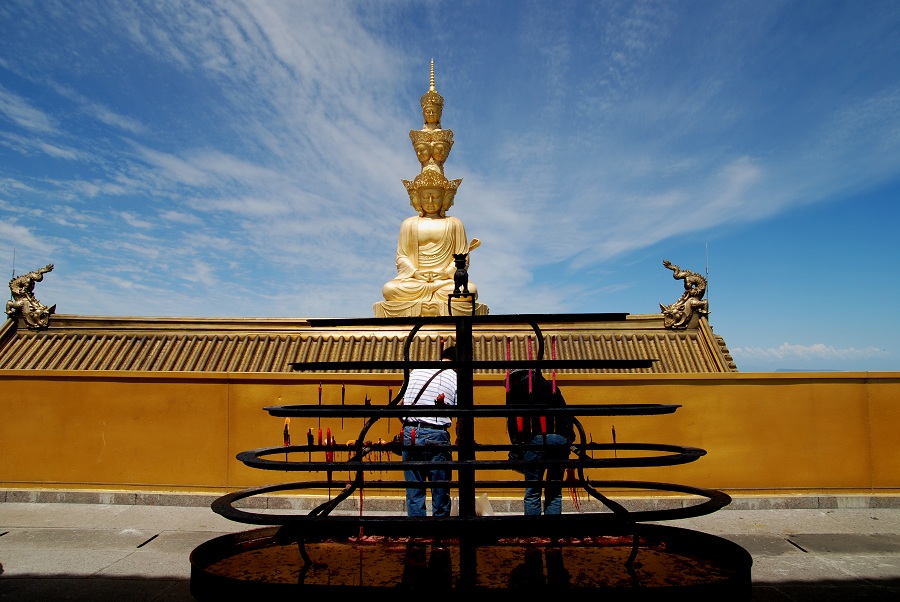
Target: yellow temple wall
[(792, 433)]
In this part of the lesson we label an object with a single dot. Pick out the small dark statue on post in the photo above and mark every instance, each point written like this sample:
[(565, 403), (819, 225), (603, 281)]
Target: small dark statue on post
[(461, 277), (460, 282), (35, 314)]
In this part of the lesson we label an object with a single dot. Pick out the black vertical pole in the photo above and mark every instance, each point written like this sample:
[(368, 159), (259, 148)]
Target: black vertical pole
[(466, 455)]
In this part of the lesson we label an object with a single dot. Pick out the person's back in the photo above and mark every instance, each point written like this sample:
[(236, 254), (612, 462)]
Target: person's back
[(539, 392), (531, 389)]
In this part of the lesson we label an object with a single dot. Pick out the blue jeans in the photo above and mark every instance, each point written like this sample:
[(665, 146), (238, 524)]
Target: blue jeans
[(424, 452), (552, 491)]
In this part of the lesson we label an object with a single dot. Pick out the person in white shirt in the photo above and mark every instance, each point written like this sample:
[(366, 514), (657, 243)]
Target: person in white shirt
[(429, 387)]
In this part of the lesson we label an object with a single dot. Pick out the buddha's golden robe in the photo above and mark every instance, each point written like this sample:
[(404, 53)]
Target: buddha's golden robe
[(425, 264)]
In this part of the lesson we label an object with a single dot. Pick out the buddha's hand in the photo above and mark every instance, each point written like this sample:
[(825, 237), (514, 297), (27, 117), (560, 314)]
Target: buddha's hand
[(427, 276)]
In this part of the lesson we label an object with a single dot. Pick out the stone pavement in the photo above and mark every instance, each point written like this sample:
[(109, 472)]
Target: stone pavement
[(115, 551)]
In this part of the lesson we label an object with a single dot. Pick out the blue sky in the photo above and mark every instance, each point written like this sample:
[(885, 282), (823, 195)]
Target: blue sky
[(244, 159)]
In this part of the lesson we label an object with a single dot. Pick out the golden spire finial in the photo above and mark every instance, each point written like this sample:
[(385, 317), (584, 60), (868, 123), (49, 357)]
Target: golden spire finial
[(432, 97)]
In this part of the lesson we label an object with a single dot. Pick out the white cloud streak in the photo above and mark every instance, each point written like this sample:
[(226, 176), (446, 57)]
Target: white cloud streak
[(19, 111), (788, 353)]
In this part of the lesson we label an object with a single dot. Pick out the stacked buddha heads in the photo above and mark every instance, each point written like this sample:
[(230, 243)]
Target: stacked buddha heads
[(432, 145)]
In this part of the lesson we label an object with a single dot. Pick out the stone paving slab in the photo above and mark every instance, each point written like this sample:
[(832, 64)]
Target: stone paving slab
[(762, 545), (847, 543), (99, 551), (92, 516), (82, 562), (72, 539)]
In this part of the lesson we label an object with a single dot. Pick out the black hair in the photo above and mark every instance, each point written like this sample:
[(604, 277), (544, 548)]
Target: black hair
[(449, 353)]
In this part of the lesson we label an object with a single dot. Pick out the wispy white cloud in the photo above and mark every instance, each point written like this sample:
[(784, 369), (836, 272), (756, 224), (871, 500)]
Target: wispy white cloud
[(31, 145), (110, 117), (134, 221), (12, 185), (788, 353), (22, 113), (200, 272), (181, 217), (90, 189), (174, 168), (98, 110), (19, 237)]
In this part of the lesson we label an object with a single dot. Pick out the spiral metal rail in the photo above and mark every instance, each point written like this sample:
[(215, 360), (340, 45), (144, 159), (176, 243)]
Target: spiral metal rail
[(468, 528)]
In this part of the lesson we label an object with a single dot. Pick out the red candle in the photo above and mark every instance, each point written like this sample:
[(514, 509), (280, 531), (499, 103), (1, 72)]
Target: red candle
[(530, 377), (329, 455), (287, 436), (553, 357), (508, 357)]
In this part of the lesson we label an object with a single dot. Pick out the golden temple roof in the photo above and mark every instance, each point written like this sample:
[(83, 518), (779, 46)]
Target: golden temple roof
[(270, 345)]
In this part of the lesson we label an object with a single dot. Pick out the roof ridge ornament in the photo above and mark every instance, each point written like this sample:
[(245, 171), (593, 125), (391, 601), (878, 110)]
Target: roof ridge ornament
[(691, 306), (25, 304)]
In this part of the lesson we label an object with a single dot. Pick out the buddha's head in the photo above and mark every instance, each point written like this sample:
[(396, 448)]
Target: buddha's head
[(430, 187), (421, 142), (450, 194), (431, 113), (413, 195), (423, 151), (440, 150), (431, 200), (432, 105)]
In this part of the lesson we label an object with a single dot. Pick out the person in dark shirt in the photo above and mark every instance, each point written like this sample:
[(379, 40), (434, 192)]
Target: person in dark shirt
[(553, 431)]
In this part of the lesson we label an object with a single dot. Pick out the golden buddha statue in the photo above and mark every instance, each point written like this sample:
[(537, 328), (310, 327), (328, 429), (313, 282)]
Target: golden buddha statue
[(425, 250), (428, 241)]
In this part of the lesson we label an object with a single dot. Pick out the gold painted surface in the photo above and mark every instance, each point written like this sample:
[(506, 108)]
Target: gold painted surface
[(109, 432), (883, 418), (796, 433)]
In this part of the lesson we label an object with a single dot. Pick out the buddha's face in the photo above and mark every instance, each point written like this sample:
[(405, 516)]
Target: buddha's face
[(423, 151), (432, 114), (414, 201), (439, 151), (448, 199), (430, 200)]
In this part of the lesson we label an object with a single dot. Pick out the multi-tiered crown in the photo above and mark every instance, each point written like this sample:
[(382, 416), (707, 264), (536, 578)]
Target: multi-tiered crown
[(432, 145)]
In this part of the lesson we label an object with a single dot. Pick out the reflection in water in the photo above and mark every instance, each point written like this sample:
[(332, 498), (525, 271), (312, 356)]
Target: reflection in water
[(421, 571), (590, 565), (530, 573)]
